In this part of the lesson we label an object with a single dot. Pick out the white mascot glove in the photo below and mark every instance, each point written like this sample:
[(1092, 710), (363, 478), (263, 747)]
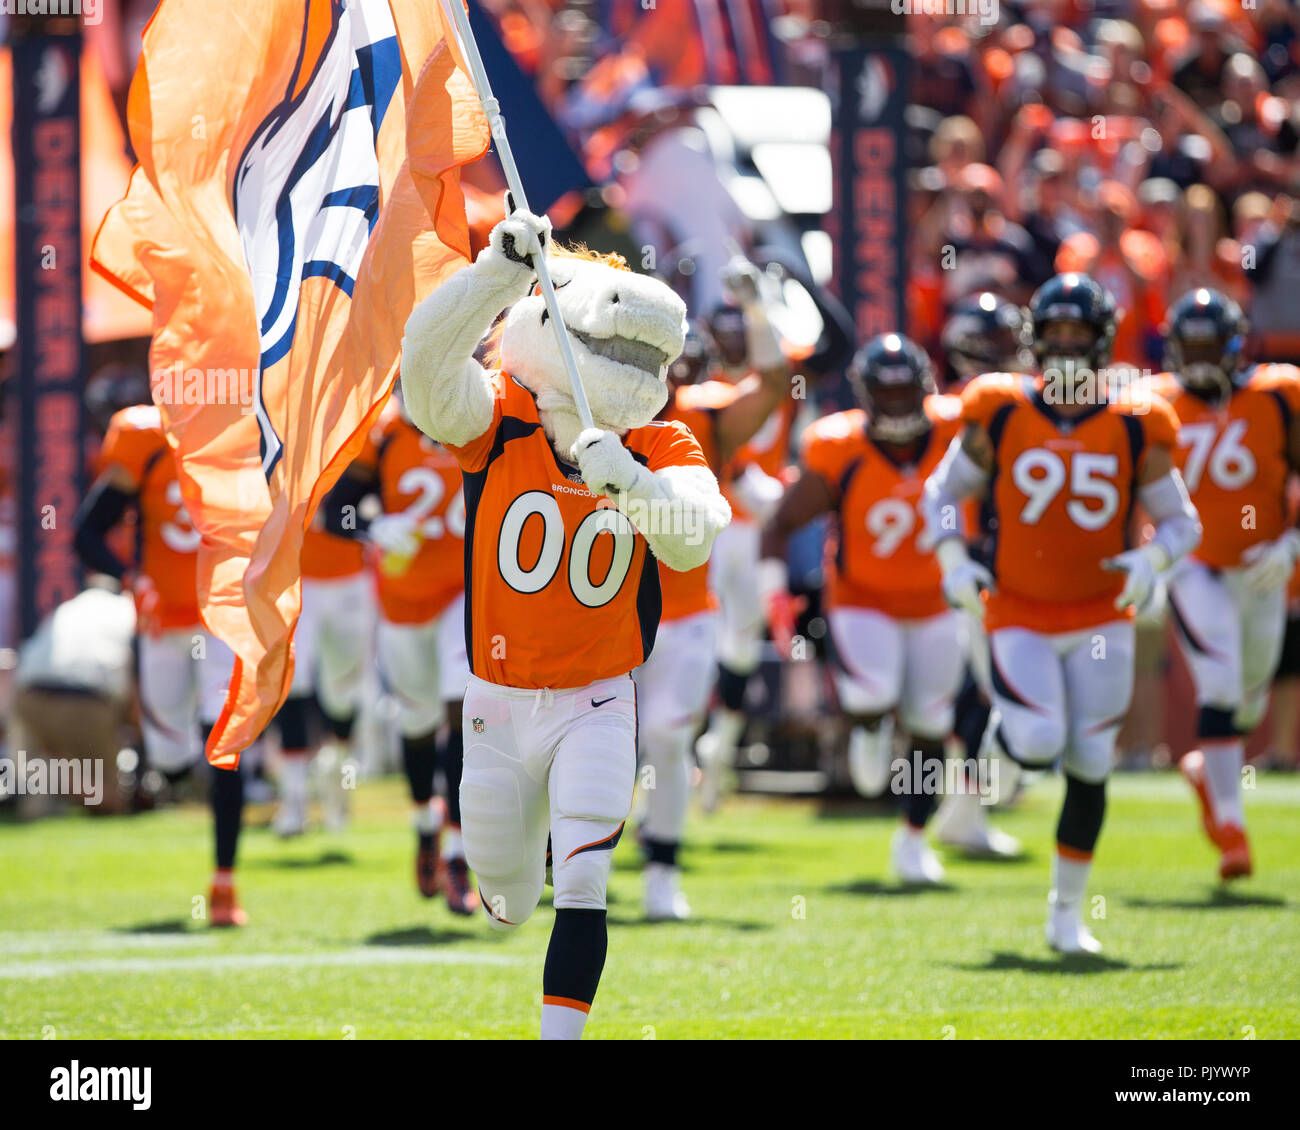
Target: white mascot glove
[(1270, 563), (1141, 566), (607, 466), (963, 579), (395, 533), (514, 242)]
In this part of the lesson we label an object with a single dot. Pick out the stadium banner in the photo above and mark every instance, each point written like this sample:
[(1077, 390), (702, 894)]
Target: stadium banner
[(866, 223), (49, 456), (298, 194), (547, 163)]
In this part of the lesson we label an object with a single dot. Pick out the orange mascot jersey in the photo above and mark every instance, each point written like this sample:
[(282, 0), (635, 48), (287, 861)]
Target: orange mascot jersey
[(559, 591), (696, 406), (875, 561), (422, 478), (1233, 457), (166, 541), (1061, 494)]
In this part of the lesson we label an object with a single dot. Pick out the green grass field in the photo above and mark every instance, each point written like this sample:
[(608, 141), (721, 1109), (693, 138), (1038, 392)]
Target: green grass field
[(799, 933)]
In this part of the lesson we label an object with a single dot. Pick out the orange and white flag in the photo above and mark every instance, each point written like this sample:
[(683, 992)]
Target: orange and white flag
[(298, 194)]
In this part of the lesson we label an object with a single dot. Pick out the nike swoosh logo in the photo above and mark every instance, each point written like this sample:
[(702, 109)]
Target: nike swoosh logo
[(604, 700)]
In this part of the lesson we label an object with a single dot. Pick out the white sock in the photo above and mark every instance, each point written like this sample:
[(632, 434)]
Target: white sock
[(1223, 761), (560, 1022), (1069, 880), (428, 818), (453, 847), (293, 778)]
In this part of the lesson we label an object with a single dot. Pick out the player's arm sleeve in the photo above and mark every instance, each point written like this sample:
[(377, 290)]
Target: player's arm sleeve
[(448, 394), (959, 477), (1164, 496), (676, 503), (98, 514)]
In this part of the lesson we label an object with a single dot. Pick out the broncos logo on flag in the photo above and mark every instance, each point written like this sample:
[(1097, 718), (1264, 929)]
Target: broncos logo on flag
[(306, 189)]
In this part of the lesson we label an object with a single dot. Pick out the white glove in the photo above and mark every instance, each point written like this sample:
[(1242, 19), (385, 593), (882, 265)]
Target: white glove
[(758, 492), (515, 240), (1270, 563), (963, 579), (740, 278), (607, 466), (395, 533), (1142, 565)]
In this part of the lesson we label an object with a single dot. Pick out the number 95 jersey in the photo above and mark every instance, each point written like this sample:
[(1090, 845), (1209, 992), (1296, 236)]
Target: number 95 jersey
[(1060, 493), (560, 589)]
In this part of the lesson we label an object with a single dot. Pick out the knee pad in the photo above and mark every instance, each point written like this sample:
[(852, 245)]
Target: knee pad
[(510, 902), (582, 879), (1034, 742)]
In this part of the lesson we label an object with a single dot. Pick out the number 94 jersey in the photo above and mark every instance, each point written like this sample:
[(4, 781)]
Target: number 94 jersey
[(875, 561), (560, 589), (1233, 456), (1060, 497)]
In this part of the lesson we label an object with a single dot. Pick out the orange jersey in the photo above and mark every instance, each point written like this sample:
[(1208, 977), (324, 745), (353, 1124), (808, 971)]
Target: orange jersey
[(327, 557), (559, 591), (166, 541), (422, 478), (1233, 457), (768, 450), (875, 561), (696, 406), (1060, 494)]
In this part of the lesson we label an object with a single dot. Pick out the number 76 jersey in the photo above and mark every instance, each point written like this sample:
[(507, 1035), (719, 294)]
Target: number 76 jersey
[(1233, 456), (1060, 497)]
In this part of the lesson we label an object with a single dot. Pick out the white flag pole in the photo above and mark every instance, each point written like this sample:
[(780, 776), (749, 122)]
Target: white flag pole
[(492, 110)]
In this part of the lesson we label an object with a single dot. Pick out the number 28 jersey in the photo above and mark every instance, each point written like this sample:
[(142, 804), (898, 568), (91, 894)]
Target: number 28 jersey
[(560, 589), (1061, 494)]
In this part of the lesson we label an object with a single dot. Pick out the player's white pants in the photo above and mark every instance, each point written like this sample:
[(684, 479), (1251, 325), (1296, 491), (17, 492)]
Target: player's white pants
[(169, 667), (1231, 638), (913, 666), (1062, 695), (536, 760), (425, 666), (733, 576), (332, 641), (673, 688)]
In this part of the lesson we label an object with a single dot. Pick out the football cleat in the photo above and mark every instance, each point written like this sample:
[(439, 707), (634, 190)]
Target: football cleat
[(962, 822), (290, 819), (461, 896), (426, 866), (664, 901), (1235, 862), (1192, 767), (869, 755), (913, 859), (223, 906), (1067, 934)]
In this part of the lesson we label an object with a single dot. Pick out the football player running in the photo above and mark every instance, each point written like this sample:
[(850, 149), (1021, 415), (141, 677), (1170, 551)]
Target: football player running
[(421, 535), (897, 646), (1238, 444), (674, 684), (984, 334), (1062, 459), (183, 672), (563, 526)]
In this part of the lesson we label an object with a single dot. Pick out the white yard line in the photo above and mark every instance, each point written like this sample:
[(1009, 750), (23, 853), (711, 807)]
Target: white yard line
[(226, 962), (17, 942)]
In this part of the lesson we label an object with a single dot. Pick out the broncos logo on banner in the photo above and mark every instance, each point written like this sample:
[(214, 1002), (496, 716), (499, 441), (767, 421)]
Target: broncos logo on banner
[(306, 189)]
